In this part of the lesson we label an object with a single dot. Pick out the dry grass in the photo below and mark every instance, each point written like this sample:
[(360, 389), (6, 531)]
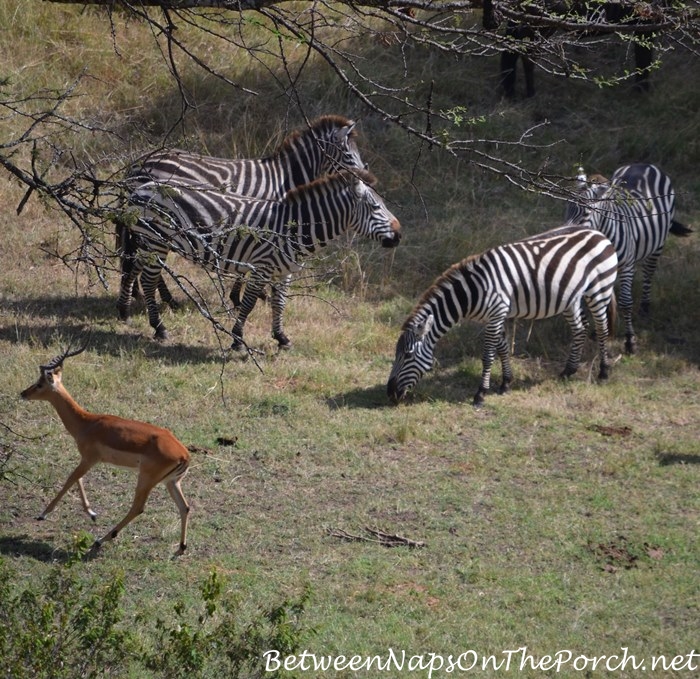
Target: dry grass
[(563, 515)]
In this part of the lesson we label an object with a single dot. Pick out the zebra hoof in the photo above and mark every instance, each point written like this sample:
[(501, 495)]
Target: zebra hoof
[(161, 334), (124, 313), (237, 345), (479, 399), (567, 372), (283, 341), (505, 387), (631, 344)]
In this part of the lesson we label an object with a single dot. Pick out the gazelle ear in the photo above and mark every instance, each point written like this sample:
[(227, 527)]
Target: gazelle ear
[(422, 329)]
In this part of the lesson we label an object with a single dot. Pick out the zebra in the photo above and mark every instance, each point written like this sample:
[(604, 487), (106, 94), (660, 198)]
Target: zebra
[(327, 145), (635, 210), (522, 39), (537, 277), (230, 234)]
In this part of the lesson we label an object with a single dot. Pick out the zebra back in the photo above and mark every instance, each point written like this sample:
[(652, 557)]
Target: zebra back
[(328, 144), (635, 209)]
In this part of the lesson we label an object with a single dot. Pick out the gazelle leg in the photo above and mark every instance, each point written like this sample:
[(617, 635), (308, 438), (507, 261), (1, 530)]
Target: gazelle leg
[(75, 476), (84, 500), (176, 494), (144, 486)]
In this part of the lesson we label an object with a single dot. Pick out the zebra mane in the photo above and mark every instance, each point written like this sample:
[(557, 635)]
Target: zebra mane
[(342, 177), (316, 128), (445, 278)]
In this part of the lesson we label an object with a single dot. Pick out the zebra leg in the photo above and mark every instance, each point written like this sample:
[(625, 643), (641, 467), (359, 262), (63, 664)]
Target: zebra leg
[(643, 58), (278, 302), (506, 369), (493, 337), (574, 318), (252, 291), (509, 62), (625, 276), (235, 294), (648, 270), (166, 295), (529, 71), (603, 312), (131, 268), (149, 282)]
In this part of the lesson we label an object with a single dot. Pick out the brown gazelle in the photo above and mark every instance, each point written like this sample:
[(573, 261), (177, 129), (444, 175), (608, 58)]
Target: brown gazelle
[(155, 452)]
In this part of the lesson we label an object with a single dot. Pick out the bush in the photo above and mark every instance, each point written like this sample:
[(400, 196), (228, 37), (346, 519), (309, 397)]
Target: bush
[(67, 627)]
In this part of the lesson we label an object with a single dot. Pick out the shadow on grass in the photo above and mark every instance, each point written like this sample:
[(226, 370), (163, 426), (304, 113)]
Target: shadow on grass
[(107, 342), (23, 545), (448, 387), (666, 459)]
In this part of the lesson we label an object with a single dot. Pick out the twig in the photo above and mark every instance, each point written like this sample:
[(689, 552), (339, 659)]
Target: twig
[(377, 536)]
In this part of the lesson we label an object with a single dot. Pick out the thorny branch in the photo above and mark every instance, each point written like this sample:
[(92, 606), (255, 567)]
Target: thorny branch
[(89, 192)]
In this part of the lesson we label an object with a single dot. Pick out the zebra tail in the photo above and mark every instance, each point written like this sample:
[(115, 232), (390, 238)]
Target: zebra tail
[(612, 315), (678, 229)]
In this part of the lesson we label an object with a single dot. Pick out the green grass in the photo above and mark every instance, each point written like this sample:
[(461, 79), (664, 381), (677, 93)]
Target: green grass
[(563, 515)]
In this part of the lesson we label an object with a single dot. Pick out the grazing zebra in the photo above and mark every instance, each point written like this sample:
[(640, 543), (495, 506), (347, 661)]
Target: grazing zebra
[(230, 234), (327, 145), (537, 277), (635, 210)]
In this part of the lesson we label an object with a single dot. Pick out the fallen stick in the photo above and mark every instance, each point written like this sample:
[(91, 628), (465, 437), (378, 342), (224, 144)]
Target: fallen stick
[(377, 536)]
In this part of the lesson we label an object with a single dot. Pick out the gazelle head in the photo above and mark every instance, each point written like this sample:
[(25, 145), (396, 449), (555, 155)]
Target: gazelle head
[(50, 376)]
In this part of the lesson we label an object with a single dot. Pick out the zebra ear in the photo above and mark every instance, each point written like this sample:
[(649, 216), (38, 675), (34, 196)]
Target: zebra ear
[(422, 329), (581, 178)]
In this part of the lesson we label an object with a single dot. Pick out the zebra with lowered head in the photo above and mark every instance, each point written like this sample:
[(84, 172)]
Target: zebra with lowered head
[(231, 234), (328, 144), (635, 210), (537, 277)]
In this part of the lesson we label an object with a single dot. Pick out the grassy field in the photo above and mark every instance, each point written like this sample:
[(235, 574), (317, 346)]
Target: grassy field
[(562, 516)]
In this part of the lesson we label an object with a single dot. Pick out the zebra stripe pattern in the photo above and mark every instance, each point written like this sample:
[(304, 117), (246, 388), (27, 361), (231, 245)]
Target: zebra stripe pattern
[(635, 210), (537, 277), (231, 234), (327, 145)]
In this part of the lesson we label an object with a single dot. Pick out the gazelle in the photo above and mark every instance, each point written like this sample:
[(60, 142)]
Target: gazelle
[(155, 452)]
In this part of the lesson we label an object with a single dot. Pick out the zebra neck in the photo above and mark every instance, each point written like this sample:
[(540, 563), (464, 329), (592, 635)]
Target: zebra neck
[(312, 224), (301, 163)]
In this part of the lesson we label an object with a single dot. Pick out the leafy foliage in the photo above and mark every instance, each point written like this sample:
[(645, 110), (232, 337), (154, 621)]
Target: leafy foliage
[(67, 626)]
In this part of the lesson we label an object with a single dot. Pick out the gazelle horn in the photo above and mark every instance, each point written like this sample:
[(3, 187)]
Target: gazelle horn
[(57, 361)]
